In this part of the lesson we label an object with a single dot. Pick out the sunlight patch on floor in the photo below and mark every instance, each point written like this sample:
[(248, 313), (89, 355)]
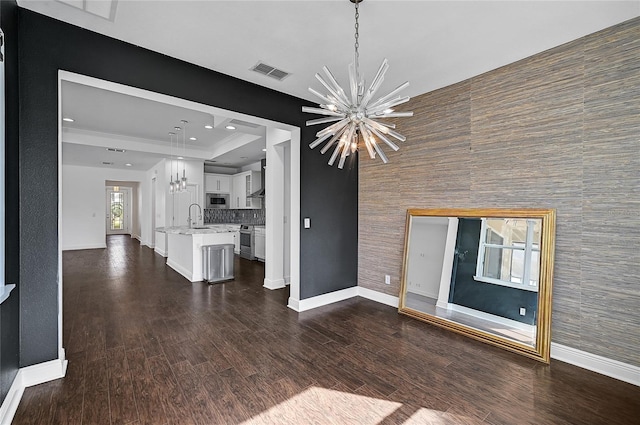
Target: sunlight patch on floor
[(324, 406)]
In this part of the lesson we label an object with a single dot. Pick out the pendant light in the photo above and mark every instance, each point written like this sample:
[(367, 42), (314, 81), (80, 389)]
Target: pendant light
[(355, 116), (172, 186), (183, 180), (176, 183)]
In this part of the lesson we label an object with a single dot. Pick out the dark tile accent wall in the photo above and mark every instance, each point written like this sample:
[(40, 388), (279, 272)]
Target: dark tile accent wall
[(212, 216), (556, 130)]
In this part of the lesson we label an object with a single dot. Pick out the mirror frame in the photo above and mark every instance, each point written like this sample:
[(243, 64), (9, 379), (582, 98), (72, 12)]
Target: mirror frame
[(541, 351)]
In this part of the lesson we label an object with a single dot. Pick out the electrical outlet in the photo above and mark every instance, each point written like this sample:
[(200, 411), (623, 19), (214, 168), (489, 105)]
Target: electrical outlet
[(387, 279), (523, 311)]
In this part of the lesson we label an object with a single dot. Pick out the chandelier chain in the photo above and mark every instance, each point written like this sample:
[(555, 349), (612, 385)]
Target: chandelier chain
[(357, 35)]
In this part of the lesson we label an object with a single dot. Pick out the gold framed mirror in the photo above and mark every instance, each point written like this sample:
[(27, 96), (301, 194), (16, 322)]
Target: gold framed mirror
[(484, 273)]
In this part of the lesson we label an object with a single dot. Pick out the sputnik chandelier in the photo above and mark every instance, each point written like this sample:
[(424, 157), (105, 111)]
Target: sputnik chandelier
[(355, 117)]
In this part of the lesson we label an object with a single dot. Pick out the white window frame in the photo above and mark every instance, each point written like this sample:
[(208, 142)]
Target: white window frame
[(5, 290), (529, 248)]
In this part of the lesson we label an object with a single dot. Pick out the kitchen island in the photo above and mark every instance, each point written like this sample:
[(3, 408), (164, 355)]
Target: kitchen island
[(184, 247)]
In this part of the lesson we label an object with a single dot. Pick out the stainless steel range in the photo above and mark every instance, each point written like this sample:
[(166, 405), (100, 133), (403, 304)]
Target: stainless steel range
[(247, 242)]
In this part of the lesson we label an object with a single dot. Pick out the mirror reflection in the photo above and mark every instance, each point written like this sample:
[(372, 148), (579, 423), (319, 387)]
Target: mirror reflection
[(480, 274)]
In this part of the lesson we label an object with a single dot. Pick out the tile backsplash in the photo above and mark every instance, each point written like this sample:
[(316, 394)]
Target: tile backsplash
[(212, 216)]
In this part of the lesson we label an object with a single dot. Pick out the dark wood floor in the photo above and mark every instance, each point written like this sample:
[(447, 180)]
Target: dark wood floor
[(147, 347)]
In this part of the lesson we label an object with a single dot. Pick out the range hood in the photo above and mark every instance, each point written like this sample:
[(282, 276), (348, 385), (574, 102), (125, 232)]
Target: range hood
[(260, 192)]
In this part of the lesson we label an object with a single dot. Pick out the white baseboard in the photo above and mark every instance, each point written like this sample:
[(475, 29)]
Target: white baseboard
[(161, 252), (43, 372), (183, 271), (293, 304), (605, 366), (514, 324), (390, 300), (324, 299), (273, 283), (28, 377), (78, 247), (11, 401)]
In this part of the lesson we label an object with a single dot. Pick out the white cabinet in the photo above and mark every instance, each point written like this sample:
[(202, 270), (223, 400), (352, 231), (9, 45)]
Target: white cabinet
[(260, 242), (217, 183), (243, 185), (236, 237)]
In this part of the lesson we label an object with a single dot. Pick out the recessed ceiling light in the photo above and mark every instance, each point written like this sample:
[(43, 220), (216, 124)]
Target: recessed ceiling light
[(192, 138), (208, 127), (230, 127), (67, 119), (128, 165), (181, 157), (264, 150)]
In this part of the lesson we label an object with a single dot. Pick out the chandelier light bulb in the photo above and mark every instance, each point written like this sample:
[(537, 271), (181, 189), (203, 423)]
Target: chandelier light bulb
[(353, 114)]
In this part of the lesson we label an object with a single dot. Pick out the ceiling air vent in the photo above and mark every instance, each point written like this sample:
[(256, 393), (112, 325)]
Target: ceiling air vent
[(269, 71), (107, 163), (116, 150)]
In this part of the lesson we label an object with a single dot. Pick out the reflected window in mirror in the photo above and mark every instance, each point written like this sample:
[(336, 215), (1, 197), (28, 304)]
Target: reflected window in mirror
[(484, 273), (509, 253)]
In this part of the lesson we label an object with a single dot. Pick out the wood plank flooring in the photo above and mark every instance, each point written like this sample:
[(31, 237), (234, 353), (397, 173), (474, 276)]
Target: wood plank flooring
[(147, 347)]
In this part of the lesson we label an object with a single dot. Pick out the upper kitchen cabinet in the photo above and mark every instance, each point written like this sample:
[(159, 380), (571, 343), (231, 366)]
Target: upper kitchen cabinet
[(217, 183), (243, 185)]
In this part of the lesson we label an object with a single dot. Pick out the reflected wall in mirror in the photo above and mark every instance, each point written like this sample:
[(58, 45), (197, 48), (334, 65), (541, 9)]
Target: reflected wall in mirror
[(484, 273)]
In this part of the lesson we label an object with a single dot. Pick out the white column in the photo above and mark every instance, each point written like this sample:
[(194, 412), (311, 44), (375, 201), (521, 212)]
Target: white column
[(447, 263), (274, 209)]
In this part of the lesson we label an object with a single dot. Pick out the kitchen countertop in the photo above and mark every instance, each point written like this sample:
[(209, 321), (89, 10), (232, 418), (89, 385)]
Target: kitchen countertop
[(208, 228)]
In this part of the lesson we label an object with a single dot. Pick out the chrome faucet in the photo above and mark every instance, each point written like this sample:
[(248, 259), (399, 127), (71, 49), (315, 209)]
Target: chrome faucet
[(189, 222)]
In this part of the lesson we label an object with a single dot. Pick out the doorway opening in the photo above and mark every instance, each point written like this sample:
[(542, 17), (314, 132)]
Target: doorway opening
[(155, 207)]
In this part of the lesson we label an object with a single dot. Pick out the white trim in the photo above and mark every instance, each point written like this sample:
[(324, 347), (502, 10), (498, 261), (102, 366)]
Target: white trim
[(294, 304), (28, 377), (159, 251), (341, 295), (595, 363), (491, 318), (183, 271), (43, 372), (78, 247), (12, 400), (5, 291), (274, 283), (324, 299), (390, 300), (499, 282)]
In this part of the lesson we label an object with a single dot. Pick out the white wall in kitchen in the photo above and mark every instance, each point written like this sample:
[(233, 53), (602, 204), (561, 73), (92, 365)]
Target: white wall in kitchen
[(84, 204)]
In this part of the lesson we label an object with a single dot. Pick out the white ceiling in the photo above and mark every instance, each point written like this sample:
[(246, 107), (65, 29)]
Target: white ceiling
[(432, 44), (104, 119)]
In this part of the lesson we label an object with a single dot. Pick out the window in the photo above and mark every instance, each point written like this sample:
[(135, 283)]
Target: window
[(117, 210), (509, 252), (4, 289)]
